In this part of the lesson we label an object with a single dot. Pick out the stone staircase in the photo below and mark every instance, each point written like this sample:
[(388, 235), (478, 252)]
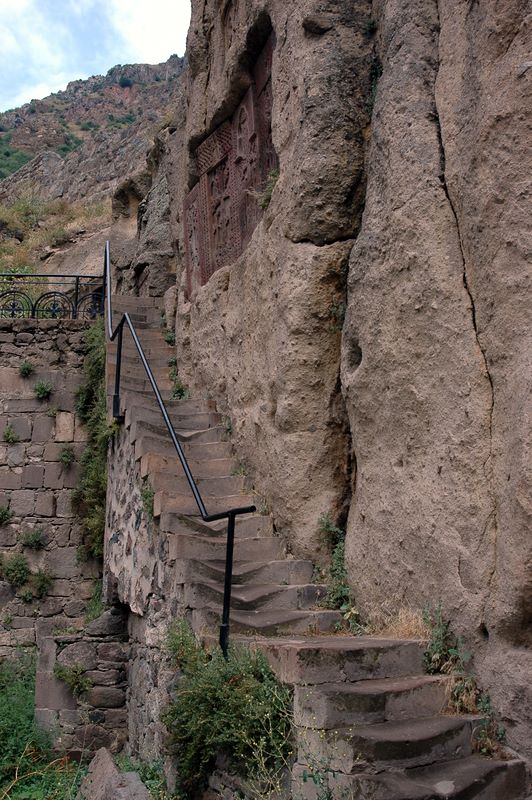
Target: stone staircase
[(362, 705)]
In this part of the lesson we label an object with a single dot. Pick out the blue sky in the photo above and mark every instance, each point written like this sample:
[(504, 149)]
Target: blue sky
[(44, 44)]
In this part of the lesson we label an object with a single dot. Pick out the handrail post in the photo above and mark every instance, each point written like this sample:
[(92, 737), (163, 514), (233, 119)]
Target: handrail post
[(116, 395), (76, 299), (224, 627)]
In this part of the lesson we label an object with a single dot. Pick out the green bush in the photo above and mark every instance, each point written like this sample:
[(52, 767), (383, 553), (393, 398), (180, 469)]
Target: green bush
[(35, 539), (234, 707), (29, 770), (15, 570), (11, 159), (74, 677), (43, 390), (9, 435), (125, 82), (67, 456), (26, 369), (6, 515), (91, 406), (41, 582)]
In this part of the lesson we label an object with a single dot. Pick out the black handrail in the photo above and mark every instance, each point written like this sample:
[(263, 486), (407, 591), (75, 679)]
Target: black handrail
[(230, 514)]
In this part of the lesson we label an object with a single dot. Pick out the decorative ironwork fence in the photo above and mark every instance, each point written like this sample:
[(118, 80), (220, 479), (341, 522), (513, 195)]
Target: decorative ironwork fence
[(50, 296)]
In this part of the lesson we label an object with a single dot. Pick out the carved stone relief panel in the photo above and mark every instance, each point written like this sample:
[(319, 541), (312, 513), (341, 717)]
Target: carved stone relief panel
[(233, 163)]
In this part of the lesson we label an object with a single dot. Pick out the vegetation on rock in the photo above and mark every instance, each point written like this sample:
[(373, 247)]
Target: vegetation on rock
[(234, 707), (89, 498)]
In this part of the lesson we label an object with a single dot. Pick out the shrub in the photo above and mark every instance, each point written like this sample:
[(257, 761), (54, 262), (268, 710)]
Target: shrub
[(95, 607), (43, 390), (89, 498), (9, 435), (169, 337), (67, 456), (264, 199), (125, 82), (6, 515), (35, 539), (147, 494), (74, 677), (41, 582), (15, 570), (234, 707), (26, 369)]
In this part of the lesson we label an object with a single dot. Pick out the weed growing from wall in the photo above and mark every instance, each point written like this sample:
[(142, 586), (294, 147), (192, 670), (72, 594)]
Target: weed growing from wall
[(74, 677), (234, 707), (9, 435), (43, 390), (446, 654), (34, 539), (147, 494), (26, 369), (89, 498), (5, 515)]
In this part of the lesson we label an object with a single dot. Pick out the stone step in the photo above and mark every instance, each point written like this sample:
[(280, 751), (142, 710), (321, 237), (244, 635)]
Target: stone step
[(330, 705), (252, 526), (153, 349), (389, 745), (471, 778), (170, 465), (160, 433), (198, 420), (255, 597), (268, 622), (131, 358), (128, 302), (191, 406), (194, 452), (192, 546), (140, 384), (185, 503), (287, 571), (335, 659), (212, 487)]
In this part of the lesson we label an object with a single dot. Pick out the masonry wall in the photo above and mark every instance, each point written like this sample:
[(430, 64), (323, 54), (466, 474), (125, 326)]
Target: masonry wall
[(35, 486)]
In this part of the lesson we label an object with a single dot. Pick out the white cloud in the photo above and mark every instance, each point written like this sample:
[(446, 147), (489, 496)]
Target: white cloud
[(152, 30), (46, 43)]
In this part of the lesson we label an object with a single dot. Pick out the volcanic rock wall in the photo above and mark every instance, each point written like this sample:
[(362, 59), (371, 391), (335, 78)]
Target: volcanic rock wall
[(401, 135)]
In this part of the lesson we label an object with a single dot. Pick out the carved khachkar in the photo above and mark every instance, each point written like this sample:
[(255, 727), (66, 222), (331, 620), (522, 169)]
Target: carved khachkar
[(233, 163)]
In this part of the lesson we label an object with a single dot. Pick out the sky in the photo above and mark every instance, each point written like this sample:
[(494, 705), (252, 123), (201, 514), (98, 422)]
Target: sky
[(44, 44)]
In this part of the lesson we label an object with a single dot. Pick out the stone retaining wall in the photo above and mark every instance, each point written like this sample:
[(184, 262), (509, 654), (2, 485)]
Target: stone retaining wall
[(35, 486), (97, 717)]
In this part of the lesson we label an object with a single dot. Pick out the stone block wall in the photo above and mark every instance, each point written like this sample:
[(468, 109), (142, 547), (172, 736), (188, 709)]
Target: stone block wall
[(35, 486), (97, 717)]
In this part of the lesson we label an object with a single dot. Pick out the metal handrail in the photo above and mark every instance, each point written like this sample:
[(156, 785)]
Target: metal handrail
[(231, 513)]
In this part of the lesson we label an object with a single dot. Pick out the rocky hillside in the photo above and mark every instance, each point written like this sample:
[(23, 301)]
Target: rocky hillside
[(63, 156), (89, 134)]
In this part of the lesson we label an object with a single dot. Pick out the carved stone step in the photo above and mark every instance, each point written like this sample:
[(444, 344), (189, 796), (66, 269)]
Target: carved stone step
[(193, 546), (185, 503), (139, 429), (330, 705), (256, 596), (213, 487), (212, 468), (248, 525), (335, 659), (199, 420), (147, 400), (472, 778), (397, 744), (268, 622), (287, 571), (142, 384), (126, 302), (196, 452), (132, 359)]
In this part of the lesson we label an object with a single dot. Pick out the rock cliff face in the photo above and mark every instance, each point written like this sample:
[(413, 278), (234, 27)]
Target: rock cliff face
[(93, 133), (401, 137)]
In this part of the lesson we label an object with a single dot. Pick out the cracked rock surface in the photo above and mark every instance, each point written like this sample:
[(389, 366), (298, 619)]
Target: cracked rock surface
[(436, 348)]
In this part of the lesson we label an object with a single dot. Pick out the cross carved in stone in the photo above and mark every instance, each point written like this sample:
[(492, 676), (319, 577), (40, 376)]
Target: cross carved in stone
[(221, 210)]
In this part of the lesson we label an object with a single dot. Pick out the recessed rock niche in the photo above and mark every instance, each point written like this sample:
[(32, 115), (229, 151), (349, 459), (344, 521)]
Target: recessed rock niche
[(233, 163)]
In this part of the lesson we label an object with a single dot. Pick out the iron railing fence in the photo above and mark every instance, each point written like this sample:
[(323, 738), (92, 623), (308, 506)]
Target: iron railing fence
[(41, 296), (231, 513)]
